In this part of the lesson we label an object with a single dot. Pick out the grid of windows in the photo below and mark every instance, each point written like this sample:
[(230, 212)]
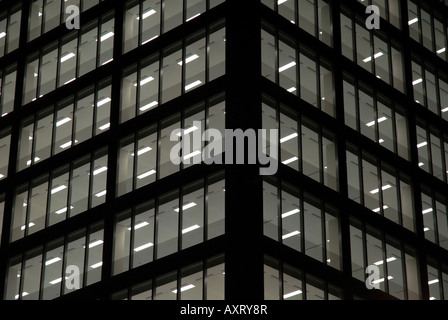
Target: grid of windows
[(43, 273), (64, 61), (64, 193), (302, 222), (373, 50), (174, 221), (146, 84), (72, 121), (145, 20), (396, 261), (360, 116), (199, 281), (297, 69), (285, 282)]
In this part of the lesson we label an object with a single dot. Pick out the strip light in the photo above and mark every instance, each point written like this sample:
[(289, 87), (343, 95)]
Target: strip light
[(143, 247), (145, 81), (412, 21), (100, 194), (29, 226), (287, 138), (149, 106), (387, 186), (184, 288), (103, 102), (51, 261), (187, 206), (291, 234), (57, 189), (415, 82), (67, 57), (106, 36), (192, 85), (427, 211), (290, 160), (191, 155), (142, 151), (96, 265), (194, 227), (292, 294), (147, 14), (2, 34), (146, 174), (187, 131), (421, 145), (95, 243), (191, 18), (433, 281), (287, 66), (290, 213), (99, 170), (378, 263), (378, 209), (140, 225)]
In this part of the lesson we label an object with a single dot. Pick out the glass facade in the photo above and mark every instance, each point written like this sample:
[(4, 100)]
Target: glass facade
[(94, 203)]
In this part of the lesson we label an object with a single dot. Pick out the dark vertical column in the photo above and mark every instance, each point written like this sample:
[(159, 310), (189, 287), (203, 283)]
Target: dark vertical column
[(15, 133), (109, 217), (244, 209)]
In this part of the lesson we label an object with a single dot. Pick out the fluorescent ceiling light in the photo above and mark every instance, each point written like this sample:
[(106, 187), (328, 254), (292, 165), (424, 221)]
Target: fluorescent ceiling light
[(191, 155), (67, 57), (149, 40), (106, 36), (422, 144), (140, 225), (1, 175), (187, 131), (5, 114), (290, 213), (142, 151), (287, 138), (281, 1), (99, 170), (292, 89), (66, 145), (103, 102), (291, 234), (56, 281), (149, 106), (96, 265), (433, 281), (184, 288), (191, 18), (104, 127), (292, 294), (415, 82), (290, 160), (51, 261), (382, 280), (189, 59), (146, 174), (35, 160), (421, 164), (63, 121), (412, 21), (378, 209), (106, 62), (143, 247), (432, 298), (147, 14), (23, 294), (192, 85), (29, 226), (57, 189), (426, 211), (95, 243), (194, 227), (381, 140), (63, 210), (100, 194), (187, 206), (441, 50), (378, 263), (371, 123), (426, 229), (145, 81), (287, 66), (2, 34), (387, 186), (71, 80), (375, 56), (445, 110)]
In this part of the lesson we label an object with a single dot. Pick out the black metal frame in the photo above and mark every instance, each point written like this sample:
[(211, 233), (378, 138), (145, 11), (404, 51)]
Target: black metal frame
[(243, 244)]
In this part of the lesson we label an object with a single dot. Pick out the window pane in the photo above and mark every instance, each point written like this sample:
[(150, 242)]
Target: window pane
[(51, 13), (31, 275), (35, 21), (193, 215), (5, 143), (173, 14), (47, 78), (63, 130), (270, 212), (195, 63), (171, 73), (215, 209), (217, 54), (149, 85), (144, 226), (146, 157), (98, 194), (79, 190), (313, 231), (122, 242), (43, 136), (130, 26), (106, 42), (166, 166), (165, 285), (38, 203), (53, 270), (95, 254), (87, 48), (151, 20), (167, 224), (126, 166), (13, 278), (191, 282), (75, 256)]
